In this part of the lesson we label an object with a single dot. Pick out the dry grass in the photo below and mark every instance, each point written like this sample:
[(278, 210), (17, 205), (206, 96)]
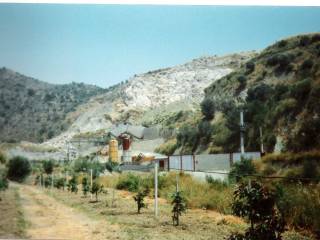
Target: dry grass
[(195, 224), (12, 224)]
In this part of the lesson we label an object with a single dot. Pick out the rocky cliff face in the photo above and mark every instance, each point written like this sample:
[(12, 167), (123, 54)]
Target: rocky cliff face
[(150, 91), (187, 81)]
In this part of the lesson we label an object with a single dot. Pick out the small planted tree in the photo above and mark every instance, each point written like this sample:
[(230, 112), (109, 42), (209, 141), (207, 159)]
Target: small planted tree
[(3, 182), (72, 185), (48, 166), (139, 199), (85, 186), (179, 207), (96, 189), (60, 183), (257, 203)]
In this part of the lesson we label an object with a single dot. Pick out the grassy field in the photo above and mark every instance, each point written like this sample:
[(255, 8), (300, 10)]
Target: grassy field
[(195, 224), (12, 222)]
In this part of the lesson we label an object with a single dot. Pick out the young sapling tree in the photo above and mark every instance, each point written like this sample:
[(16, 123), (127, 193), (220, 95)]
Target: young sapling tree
[(96, 189), (139, 199), (179, 207), (85, 186)]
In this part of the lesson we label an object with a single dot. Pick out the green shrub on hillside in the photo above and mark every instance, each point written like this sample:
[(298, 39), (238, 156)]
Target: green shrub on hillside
[(167, 148), (18, 168), (208, 108), (187, 136), (307, 65), (250, 66)]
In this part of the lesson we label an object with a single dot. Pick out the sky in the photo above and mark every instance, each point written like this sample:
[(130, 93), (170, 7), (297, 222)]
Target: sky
[(106, 44)]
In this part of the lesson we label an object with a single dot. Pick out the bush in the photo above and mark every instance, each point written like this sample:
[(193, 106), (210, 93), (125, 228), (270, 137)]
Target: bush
[(48, 166), (242, 80), (187, 136), (315, 38), (306, 65), (300, 206), (304, 41), (250, 66), (18, 168), (129, 182), (167, 148), (257, 203), (112, 166), (282, 43), (208, 108), (241, 169)]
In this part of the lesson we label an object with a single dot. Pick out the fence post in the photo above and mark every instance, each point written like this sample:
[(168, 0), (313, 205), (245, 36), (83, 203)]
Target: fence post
[(180, 162), (194, 163), (168, 161), (156, 188), (231, 159)]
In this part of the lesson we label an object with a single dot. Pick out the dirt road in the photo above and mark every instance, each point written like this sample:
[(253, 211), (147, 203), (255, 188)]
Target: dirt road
[(49, 219)]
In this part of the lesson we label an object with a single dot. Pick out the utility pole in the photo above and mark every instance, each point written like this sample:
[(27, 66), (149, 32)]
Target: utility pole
[(91, 184), (241, 132), (261, 140), (177, 183), (156, 188)]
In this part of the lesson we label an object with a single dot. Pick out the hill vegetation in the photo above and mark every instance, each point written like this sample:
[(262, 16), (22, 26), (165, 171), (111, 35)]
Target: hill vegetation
[(279, 91), (35, 111)]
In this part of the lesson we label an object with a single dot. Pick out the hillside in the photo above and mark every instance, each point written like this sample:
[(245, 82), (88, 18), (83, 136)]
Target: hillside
[(279, 90), (34, 110), (148, 98)]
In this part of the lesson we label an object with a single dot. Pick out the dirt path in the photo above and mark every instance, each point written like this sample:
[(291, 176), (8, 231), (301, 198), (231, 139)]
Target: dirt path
[(49, 219)]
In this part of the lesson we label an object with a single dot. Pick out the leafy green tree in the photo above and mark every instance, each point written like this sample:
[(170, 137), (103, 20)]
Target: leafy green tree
[(85, 186), (208, 108), (258, 204), (48, 166), (205, 130), (139, 199), (18, 168), (179, 207), (96, 189)]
